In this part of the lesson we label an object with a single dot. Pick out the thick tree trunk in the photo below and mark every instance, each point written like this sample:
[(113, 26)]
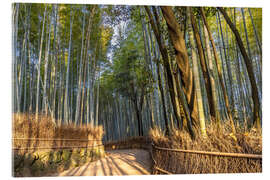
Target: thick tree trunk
[(181, 52), (181, 58), (165, 57), (185, 70)]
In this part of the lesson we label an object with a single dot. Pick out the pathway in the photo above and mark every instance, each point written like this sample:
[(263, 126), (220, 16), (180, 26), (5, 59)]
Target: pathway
[(117, 162)]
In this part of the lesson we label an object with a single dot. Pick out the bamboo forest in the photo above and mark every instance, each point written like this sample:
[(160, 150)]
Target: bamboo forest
[(178, 89)]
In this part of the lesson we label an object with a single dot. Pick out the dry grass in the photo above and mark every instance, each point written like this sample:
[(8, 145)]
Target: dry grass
[(25, 126), (216, 141), (44, 162)]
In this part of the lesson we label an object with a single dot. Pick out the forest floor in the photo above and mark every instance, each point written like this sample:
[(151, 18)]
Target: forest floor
[(116, 162)]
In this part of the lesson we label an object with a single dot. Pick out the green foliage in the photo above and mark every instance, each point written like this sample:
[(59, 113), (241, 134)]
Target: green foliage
[(112, 57), (128, 74)]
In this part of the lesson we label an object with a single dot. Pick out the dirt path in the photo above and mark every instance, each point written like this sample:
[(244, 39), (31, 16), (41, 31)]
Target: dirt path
[(118, 162)]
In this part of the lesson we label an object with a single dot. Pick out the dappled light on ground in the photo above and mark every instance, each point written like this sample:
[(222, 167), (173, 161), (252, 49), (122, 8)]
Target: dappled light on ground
[(118, 162)]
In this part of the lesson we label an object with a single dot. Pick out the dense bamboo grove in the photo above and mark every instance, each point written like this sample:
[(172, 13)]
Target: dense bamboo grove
[(132, 68)]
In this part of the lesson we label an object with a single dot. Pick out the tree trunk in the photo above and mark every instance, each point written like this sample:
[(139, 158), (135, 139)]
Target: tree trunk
[(226, 99), (251, 75), (97, 102), (258, 64), (255, 32), (162, 100), (181, 58), (45, 98), (15, 16), (39, 63), (165, 57), (139, 117), (181, 53), (79, 86), (206, 74), (228, 68), (56, 60), (212, 75), (67, 103), (196, 78)]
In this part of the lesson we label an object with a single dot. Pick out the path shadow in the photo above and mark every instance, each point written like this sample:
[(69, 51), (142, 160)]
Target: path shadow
[(85, 168), (118, 167), (103, 168), (108, 165), (132, 164)]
